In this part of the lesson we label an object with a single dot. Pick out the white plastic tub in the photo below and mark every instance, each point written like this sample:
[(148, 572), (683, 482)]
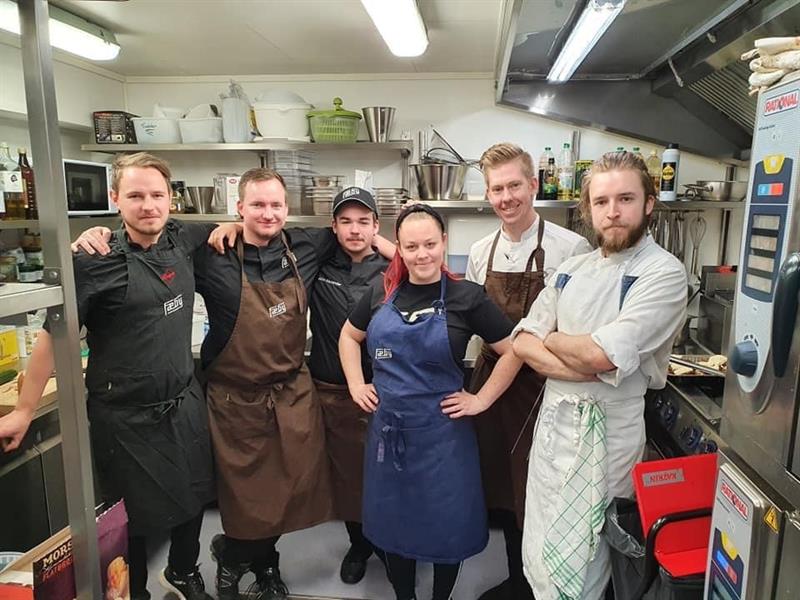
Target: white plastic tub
[(154, 130), (282, 114), (201, 131)]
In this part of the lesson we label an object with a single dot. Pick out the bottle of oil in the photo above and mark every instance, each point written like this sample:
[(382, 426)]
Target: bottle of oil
[(12, 184), (637, 151), (28, 185), (653, 163), (543, 160), (566, 171), (550, 186)]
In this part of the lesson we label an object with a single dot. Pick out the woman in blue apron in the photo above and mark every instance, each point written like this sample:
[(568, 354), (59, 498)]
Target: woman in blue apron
[(423, 498)]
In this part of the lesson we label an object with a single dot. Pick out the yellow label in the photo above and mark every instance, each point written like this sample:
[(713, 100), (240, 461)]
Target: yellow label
[(773, 163), (667, 172), (728, 546), (771, 519)]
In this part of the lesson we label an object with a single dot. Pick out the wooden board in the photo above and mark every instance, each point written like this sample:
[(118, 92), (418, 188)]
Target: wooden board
[(9, 395)]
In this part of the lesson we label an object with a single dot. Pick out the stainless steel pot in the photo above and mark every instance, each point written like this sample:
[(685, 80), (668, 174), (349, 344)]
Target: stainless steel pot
[(718, 191), (440, 181)]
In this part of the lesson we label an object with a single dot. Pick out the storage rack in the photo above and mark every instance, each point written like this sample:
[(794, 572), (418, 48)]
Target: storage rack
[(57, 293)]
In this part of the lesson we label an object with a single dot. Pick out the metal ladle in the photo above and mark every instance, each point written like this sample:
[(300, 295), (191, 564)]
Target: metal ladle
[(697, 231)]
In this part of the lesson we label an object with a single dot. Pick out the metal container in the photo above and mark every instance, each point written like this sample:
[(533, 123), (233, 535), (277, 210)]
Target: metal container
[(718, 191), (440, 181), (201, 199), (378, 120)]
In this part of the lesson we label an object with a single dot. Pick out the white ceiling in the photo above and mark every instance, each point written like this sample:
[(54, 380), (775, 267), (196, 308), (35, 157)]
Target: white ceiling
[(255, 37)]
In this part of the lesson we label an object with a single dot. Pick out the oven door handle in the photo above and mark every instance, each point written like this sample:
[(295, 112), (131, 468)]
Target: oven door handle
[(784, 313)]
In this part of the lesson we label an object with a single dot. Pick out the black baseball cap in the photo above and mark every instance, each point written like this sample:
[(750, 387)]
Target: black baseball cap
[(354, 194)]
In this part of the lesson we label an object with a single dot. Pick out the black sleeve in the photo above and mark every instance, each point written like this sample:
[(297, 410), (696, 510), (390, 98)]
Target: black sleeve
[(195, 235), (86, 289), (362, 313), (324, 242), (486, 319)]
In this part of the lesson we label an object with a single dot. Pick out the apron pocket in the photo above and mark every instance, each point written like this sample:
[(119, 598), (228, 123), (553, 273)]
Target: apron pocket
[(242, 415)]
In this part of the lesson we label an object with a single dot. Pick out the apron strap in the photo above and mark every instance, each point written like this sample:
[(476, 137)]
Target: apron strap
[(490, 264)]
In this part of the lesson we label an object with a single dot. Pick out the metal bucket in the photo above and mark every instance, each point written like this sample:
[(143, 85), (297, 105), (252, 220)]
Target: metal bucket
[(718, 191), (440, 181), (201, 199)]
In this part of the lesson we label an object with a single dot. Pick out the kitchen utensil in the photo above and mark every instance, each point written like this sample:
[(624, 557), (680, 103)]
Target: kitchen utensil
[(440, 181), (337, 126), (201, 199), (449, 147), (378, 120), (324, 181), (675, 239), (697, 231), (694, 364), (717, 191)]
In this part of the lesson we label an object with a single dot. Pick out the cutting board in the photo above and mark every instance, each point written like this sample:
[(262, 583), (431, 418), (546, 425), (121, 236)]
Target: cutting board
[(9, 395)]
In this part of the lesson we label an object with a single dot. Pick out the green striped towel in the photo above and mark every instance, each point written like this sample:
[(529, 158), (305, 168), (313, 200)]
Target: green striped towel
[(571, 541)]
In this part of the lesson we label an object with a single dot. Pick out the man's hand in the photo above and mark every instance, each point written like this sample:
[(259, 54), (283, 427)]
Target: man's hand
[(224, 236), (463, 404), (13, 427), (93, 240), (366, 397)]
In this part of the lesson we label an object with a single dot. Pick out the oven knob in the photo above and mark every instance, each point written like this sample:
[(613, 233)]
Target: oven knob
[(743, 358), (658, 402), (691, 436), (707, 447), (669, 414)]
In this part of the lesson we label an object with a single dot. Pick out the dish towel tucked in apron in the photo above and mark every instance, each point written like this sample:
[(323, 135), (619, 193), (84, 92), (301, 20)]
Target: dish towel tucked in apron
[(571, 541)]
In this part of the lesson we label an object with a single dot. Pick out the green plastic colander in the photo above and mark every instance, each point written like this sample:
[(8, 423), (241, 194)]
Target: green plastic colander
[(337, 126)]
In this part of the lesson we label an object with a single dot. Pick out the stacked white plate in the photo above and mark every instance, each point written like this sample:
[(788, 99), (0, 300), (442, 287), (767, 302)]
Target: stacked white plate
[(294, 166), (390, 200)]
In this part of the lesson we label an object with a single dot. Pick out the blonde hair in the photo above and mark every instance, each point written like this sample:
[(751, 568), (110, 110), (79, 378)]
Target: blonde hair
[(142, 160), (503, 153), (259, 174), (614, 161)]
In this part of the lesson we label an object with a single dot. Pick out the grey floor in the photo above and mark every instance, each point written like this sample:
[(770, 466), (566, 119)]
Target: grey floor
[(310, 562)]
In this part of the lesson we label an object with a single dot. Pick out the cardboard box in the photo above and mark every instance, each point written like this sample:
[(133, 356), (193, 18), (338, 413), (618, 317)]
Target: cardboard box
[(9, 346)]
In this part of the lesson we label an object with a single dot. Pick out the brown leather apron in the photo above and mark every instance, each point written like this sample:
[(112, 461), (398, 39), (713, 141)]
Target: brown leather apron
[(265, 420), (505, 431), (345, 432)]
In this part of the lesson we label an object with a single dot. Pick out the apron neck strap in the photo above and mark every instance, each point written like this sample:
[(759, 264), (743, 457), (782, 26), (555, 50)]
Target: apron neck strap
[(538, 252), (490, 264), (289, 255)]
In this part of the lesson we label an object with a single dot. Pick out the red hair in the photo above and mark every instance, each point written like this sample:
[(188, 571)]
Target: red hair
[(397, 272)]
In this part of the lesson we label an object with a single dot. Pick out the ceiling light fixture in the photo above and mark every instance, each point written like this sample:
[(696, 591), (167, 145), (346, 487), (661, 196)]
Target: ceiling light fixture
[(400, 25), (590, 27), (68, 32)]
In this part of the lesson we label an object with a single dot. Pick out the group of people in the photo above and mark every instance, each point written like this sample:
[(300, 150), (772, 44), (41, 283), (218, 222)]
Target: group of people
[(378, 428)]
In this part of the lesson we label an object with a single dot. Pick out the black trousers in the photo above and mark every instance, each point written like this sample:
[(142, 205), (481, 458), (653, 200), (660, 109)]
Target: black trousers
[(402, 574), (184, 549), (359, 544), (259, 554)]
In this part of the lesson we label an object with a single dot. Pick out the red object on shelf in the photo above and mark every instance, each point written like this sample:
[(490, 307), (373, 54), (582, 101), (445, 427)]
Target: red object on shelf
[(676, 485)]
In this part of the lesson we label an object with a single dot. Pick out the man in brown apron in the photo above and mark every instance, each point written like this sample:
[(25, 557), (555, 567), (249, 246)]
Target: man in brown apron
[(265, 419), (513, 264), (340, 284)]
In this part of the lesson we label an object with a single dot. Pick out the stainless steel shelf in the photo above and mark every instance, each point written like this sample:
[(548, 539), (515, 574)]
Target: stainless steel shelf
[(483, 205), (17, 298), (702, 204), (19, 224), (402, 146)]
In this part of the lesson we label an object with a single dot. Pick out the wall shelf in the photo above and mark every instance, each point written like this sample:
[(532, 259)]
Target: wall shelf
[(12, 115), (16, 298), (402, 146)]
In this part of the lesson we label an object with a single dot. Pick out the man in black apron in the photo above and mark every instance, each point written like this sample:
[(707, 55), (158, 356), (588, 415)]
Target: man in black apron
[(149, 424), (512, 263), (340, 284)]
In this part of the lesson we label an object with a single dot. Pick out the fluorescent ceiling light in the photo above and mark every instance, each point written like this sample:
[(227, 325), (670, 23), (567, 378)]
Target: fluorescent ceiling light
[(590, 27), (67, 32), (400, 25)]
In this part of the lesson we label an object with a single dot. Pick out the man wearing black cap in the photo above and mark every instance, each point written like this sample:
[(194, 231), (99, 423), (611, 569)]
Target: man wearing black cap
[(340, 284)]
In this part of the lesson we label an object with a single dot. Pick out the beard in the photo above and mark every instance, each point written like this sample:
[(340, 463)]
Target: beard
[(613, 245)]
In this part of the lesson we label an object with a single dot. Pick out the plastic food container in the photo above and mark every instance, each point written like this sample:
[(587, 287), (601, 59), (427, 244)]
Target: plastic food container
[(337, 126), (282, 114), (201, 131), (153, 130)]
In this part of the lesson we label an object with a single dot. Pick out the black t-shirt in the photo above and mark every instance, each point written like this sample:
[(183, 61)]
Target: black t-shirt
[(339, 286), (219, 281), (469, 311)]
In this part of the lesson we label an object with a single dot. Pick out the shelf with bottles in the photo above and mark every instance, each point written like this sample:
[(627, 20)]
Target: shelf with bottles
[(404, 147)]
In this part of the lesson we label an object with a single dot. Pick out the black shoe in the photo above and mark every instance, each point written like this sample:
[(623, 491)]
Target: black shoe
[(504, 591), (354, 565), (187, 586), (268, 585), (228, 576), (143, 595)]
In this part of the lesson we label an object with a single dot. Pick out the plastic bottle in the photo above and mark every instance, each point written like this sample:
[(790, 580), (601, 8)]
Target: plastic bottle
[(669, 173), (620, 149), (637, 151), (12, 184), (550, 186), (653, 163), (566, 171), (543, 160), (28, 185)]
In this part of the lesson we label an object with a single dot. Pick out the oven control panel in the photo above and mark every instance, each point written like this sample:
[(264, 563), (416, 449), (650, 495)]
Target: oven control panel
[(676, 426)]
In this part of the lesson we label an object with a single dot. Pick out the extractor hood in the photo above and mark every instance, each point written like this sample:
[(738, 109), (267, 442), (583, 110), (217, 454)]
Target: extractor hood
[(665, 71)]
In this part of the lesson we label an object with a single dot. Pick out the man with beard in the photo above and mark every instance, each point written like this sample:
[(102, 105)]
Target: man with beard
[(512, 263), (601, 331), (340, 284)]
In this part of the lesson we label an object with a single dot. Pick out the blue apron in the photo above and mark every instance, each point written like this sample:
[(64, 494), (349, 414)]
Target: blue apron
[(422, 484)]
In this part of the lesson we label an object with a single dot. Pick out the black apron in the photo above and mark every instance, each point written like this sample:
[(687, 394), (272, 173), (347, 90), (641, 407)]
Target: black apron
[(149, 424)]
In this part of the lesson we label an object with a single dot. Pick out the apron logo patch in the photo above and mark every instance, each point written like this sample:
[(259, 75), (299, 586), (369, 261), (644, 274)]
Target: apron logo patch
[(168, 276), (174, 305), (278, 309), (284, 263), (662, 477), (383, 353)]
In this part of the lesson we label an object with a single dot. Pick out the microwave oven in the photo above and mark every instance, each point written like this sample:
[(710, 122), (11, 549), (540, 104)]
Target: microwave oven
[(88, 188)]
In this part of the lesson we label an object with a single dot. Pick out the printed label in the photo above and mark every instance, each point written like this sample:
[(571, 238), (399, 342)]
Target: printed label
[(782, 103), (662, 477), (174, 305), (735, 501), (278, 309), (383, 353)]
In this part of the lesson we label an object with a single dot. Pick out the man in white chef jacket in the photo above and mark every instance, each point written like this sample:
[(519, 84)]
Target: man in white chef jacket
[(601, 331)]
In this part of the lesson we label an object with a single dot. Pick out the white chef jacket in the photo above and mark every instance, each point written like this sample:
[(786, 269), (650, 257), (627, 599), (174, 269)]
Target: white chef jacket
[(632, 303), (559, 244)]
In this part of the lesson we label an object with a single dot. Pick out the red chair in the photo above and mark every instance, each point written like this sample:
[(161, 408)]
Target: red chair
[(675, 498)]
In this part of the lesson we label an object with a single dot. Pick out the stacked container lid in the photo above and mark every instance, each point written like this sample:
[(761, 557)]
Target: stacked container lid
[(390, 200), (295, 167), (320, 194)]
